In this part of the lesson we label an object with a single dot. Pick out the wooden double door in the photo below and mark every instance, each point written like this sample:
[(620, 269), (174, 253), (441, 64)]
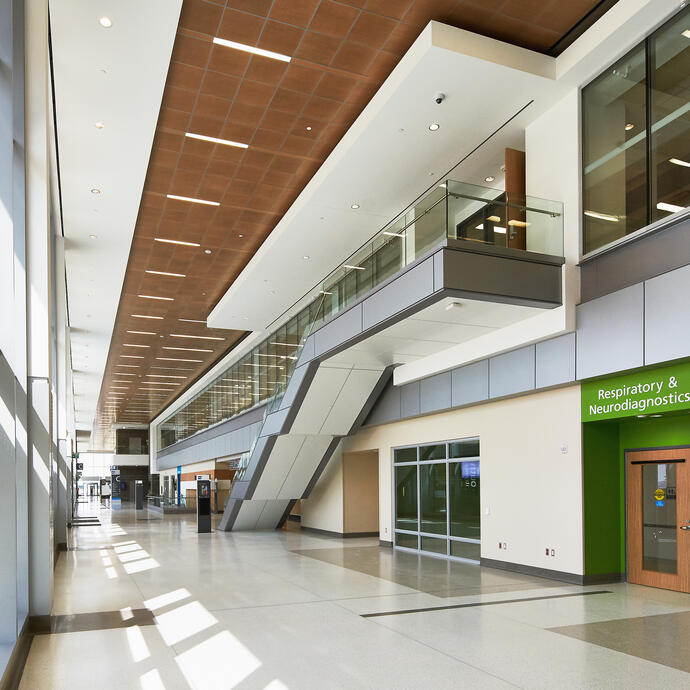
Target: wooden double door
[(658, 517)]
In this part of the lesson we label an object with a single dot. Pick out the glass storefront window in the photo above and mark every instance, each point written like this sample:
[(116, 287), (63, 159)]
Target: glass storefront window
[(406, 498), (669, 57), (636, 137), (614, 116), (432, 491)]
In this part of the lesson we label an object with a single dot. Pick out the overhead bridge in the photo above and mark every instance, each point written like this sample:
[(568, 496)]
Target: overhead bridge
[(460, 288)]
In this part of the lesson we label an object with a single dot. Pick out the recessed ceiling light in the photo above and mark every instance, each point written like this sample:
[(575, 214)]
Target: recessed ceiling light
[(434, 127), (145, 316), (207, 251), (306, 257), (188, 349), (93, 237), (105, 22), (165, 273), (186, 244), (500, 231), (191, 320), (131, 366), (489, 178), (166, 299), (629, 126), (95, 190), (354, 206), (165, 376), (308, 128), (671, 208), (198, 337), (175, 359), (192, 200), (602, 216), (142, 332), (240, 236), (678, 161), (215, 140), (133, 345), (251, 49)]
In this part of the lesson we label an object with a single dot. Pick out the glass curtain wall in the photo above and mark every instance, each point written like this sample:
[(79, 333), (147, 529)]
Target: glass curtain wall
[(437, 499), (636, 137)]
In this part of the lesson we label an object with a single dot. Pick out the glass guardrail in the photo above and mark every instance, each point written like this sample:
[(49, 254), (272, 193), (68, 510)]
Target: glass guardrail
[(472, 215)]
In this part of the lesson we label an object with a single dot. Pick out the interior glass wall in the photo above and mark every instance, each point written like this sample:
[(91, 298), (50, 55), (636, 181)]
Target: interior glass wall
[(437, 498), (636, 143)]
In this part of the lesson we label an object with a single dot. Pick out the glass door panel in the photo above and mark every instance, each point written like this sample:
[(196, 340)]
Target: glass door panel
[(464, 499), (432, 490), (659, 521)]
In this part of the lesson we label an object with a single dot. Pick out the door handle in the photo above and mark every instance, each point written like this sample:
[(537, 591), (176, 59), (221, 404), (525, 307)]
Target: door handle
[(685, 527)]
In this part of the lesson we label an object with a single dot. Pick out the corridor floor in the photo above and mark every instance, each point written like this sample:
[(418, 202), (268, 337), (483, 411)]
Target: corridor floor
[(144, 602)]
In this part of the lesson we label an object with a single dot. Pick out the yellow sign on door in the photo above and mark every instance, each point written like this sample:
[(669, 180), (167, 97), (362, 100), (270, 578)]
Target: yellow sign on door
[(659, 495)]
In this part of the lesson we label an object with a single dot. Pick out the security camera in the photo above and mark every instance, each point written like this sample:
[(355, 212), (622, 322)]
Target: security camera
[(440, 97)]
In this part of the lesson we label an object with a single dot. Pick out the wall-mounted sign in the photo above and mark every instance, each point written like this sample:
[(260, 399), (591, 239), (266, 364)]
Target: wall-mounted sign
[(652, 391), (80, 466), (659, 494)]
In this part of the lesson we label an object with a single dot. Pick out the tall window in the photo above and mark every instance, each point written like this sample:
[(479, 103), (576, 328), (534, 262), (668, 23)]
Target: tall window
[(636, 137)]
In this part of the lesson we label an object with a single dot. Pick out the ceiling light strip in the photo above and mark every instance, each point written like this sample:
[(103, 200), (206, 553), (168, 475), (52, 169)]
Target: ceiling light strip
[(251, 49), (192, 200), (215, 140)]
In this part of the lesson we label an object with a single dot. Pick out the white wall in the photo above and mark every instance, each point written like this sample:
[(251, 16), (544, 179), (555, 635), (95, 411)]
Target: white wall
[(531, 492), (324, 507)]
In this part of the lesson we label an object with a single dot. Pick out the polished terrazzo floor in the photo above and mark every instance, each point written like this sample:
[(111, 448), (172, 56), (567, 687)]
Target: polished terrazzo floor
[(143, 602)]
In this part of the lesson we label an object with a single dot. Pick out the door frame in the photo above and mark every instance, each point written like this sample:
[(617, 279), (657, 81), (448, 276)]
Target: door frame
[(681, 581)]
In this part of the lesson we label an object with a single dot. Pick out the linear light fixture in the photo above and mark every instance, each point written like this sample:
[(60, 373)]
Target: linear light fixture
[(686, 33), (191, 320), (133, 345), (173, 368), (164, 299), (176, 359), (118, 381), (494, 219), (251, 49), (602, 216), (198, 337), (166, 273), (678, 161), (165, 376), (167, 241), (187, 349), (144, 316), (215, 140), (518, 223), (356, 268), (120, 387), (671, 208), (142, 332), (167, 390), (159, 383), (192, 200)]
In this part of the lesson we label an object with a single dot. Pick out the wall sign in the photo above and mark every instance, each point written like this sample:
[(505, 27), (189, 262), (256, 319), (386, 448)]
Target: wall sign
[(651, 391)]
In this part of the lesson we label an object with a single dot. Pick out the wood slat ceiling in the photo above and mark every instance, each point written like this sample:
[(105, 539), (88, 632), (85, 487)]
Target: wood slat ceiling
[(291, 116)]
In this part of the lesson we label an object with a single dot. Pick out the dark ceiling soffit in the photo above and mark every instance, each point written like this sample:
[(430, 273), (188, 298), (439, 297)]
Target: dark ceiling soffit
[(585, 23)]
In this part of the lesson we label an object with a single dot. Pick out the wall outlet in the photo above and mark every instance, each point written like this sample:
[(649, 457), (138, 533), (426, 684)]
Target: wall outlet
[(500, 546), (385, 530), (553, 552), (505, 546), (547, 550)]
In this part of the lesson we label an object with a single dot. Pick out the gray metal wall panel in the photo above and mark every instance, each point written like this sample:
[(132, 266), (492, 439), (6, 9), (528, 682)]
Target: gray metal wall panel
[(505, 279), (470, 384), (667, 316), (409, 399), (512, 372), (307, 353), (434, 393), (345, 326), (637, 261), (610, 333), (438, 270), (274, 422), (387, 407), (556, 361), (409, 288), (293, 385)]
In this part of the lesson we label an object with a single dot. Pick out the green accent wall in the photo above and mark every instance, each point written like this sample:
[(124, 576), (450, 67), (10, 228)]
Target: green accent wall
[(603, 471)]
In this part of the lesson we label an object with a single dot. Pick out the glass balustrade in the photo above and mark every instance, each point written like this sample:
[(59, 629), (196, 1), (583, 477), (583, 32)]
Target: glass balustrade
[(469, 216)]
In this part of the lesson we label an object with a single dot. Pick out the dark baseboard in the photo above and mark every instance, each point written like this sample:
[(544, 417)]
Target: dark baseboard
[(561, 576), (62, 546), (294, 518), (15, 665), (339, 535), (604, 578), (384, 543)]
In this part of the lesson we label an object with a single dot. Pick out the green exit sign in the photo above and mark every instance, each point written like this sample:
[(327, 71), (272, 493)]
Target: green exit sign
[(651, 391)]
